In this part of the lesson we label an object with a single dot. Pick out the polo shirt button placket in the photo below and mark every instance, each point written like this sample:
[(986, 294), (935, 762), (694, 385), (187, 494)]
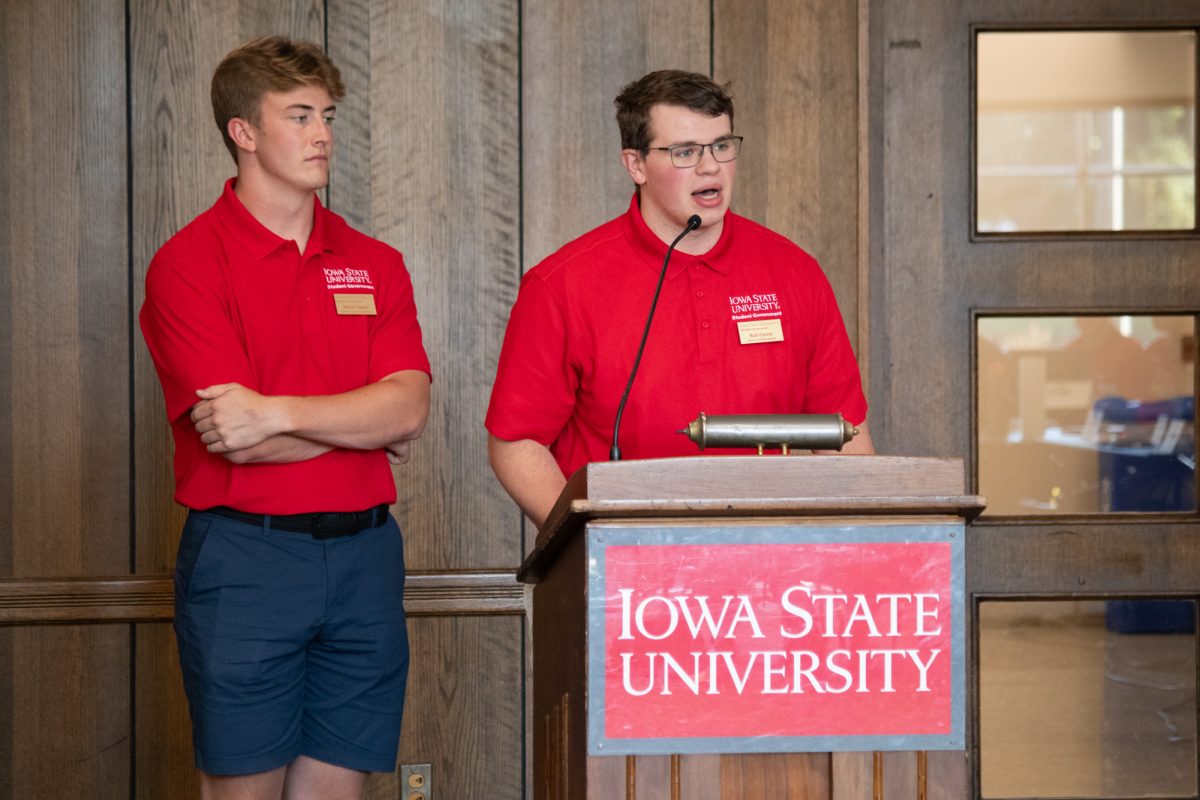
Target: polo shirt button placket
[(702, 307)]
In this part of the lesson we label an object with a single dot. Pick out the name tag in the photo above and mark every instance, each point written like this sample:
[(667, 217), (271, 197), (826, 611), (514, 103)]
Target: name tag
[(356, 304), (757, 331)]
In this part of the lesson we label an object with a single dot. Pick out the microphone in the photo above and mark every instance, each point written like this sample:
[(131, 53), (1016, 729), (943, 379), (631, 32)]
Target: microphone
[(692, 223)]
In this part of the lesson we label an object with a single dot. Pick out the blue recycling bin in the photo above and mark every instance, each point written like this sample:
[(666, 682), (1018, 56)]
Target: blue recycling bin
[(1139, 476), (1150, 616)]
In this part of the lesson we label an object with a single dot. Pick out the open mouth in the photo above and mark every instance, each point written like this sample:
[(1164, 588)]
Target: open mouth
[(707, 194)]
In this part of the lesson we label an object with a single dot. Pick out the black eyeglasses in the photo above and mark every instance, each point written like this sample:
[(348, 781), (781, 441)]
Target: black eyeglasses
[(689, 155)]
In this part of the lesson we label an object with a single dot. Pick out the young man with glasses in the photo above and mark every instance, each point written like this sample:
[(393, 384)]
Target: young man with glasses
[(746, 323), (292, 366)]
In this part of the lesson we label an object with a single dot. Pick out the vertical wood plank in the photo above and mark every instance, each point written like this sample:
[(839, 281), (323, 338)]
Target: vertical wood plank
[(576, 57), (700, 777), (948, 776), (441, 184), (165, 766), (653, 778), (66, 304), (852, 776), (607, 776), (8, 765), (70, 713), (64, 390), (866, 190), (917, 40), (464, 709), (348, 42), (180, 165), (793, 67), (900, 776), (790, 776)]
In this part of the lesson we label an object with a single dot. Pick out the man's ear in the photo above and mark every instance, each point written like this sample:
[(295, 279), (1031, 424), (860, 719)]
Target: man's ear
[(635, 164), (243, 134)]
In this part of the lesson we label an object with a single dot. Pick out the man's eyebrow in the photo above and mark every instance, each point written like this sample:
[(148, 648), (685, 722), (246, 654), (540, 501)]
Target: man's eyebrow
[(694, 143), (306, 107)]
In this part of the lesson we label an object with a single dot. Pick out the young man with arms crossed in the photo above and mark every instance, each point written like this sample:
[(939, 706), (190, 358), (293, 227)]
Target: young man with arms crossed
[(291, 360), (746, 324)]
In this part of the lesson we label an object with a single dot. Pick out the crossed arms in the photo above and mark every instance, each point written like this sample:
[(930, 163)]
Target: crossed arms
[(246, 427), (188, 320)]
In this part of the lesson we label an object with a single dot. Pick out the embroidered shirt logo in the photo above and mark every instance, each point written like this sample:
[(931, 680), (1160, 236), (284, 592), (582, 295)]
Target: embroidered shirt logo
[(348, 278), (754, 306)]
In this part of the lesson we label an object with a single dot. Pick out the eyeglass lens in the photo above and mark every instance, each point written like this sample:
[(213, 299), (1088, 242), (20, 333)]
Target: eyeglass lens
[(689, 155)]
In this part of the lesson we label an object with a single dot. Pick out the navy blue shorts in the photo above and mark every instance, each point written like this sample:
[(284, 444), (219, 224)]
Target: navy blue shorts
[(291, 645)]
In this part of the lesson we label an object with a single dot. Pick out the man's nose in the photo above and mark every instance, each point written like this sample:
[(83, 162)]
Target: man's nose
[(323, 133), (708, 160)]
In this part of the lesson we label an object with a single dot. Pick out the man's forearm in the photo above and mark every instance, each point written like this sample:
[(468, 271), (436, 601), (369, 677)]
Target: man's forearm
[(230, 417), (282, 448), (391, 410), (528, 472)]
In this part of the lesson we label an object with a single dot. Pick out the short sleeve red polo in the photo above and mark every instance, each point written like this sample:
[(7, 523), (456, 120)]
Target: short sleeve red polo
[(229, 301), (574, 331)]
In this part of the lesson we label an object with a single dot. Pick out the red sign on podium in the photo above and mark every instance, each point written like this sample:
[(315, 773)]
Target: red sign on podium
[(766, 639)]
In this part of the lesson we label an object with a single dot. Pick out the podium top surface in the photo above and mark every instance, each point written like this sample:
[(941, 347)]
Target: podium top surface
[(750, 486)]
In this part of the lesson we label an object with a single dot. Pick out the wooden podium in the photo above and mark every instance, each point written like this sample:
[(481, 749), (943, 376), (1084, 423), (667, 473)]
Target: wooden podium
[(711, 500)]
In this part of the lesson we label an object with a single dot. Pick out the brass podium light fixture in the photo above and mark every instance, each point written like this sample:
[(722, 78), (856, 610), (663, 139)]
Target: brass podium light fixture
[(771, 431)]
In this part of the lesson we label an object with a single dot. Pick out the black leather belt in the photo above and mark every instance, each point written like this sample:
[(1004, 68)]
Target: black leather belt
[(319, 525)]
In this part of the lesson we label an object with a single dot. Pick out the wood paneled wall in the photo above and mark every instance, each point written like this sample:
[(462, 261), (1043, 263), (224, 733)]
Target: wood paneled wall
[(64, 434), (476, 137)]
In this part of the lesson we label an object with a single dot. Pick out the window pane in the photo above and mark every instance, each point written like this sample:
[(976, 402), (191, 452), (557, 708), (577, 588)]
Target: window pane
[(1159, 201), (1086, 131), (1086, 414), (1011, 203), (1087, 699)]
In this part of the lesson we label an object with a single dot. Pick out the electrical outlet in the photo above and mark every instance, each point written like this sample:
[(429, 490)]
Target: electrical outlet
[(415, 782)]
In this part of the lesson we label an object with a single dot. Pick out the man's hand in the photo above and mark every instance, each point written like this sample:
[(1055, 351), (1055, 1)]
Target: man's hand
[(397, 452), (231, 417)]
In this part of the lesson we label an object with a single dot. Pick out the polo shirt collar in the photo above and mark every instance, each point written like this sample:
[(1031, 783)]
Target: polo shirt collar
[(258, 240), (653, 249)]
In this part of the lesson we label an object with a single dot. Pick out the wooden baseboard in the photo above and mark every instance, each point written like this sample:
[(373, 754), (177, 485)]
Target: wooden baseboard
[(150, 598)]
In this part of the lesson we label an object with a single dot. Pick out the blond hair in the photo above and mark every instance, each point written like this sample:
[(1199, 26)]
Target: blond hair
[(267, 64)]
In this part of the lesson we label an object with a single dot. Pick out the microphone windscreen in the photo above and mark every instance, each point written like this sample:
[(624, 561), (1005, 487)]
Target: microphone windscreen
[(693, 222)]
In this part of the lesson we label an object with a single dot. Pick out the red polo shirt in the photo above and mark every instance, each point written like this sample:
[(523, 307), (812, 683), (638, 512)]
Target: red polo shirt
[(579, 316), (229, 301)]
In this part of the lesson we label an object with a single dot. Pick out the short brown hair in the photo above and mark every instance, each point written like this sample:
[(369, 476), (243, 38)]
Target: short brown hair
[(672, 87), (267, 64)]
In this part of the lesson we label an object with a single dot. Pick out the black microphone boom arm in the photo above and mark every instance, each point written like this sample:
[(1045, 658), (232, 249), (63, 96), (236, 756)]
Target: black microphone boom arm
[(692, 223)]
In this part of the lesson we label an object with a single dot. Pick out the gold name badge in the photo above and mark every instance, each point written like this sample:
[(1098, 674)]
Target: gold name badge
[(760, 330), (356, 304)]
